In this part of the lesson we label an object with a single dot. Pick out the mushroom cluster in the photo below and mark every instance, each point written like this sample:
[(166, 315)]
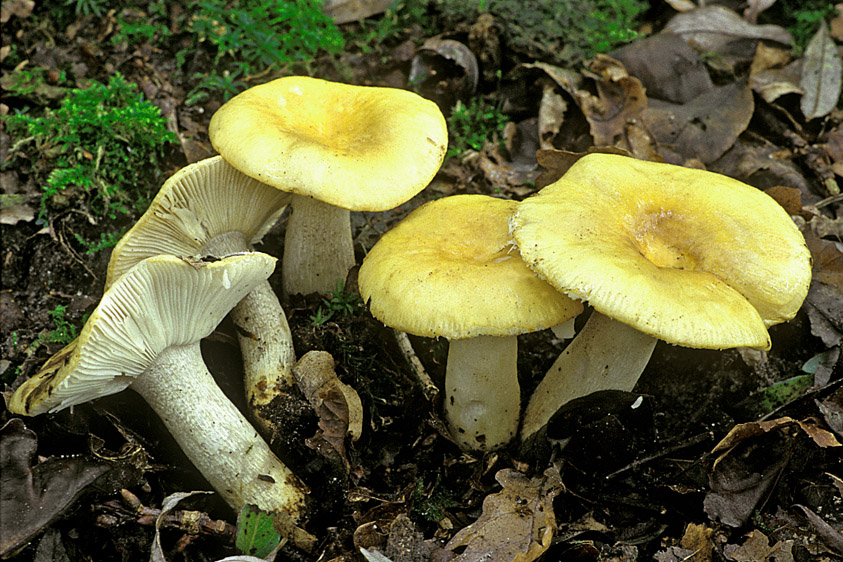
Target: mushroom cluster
[(319, 147)]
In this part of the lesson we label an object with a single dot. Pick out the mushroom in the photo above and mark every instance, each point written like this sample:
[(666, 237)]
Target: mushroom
[(687, 256), (449, 269), (336, 148), (210, 209), (145, 334)]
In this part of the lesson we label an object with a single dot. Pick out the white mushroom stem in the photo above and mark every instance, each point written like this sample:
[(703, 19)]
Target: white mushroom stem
[(215, 436), (263, 332), (482, 400), (318, 249), (605, 355)]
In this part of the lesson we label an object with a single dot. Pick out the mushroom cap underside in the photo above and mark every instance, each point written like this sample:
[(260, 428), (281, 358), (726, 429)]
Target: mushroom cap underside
[(162, 301), (361, 148), (201, 201), (688, 256), (449, 269)]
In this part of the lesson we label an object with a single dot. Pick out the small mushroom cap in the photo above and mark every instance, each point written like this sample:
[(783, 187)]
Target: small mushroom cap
[(199, 202), (356, 147), (162, 301), (688, 256), (450, 269)]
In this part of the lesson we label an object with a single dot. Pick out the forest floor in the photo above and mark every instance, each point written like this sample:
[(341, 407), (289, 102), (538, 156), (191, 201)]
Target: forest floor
[(729, 455)]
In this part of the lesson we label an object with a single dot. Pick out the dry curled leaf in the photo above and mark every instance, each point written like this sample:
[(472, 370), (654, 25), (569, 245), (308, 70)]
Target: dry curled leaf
[(517, 523), (715, 28), (743, 431), (336, 404)]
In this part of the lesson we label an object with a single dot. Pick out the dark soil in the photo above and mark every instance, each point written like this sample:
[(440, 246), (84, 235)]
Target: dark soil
[(638, 483)]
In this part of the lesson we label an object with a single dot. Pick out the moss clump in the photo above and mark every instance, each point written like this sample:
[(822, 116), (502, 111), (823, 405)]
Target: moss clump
[(100, 148), (558, 31)]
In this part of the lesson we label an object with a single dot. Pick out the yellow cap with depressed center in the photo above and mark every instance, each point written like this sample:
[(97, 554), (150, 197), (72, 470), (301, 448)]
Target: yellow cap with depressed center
[(688, 256), (450, 269), (355, 147)]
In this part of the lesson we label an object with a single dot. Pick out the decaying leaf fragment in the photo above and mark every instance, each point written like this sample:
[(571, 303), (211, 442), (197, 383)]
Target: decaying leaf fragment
[(821, 75), (743, 431), (517, 523), (34, 496), (336, 404)]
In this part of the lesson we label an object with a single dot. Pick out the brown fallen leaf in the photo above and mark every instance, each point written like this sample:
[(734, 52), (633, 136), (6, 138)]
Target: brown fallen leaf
[(620, 98), (736, 490), (822, 75), (344, 11), (557, 162), (337, 405), (668, 68), (717, 29), (757, 548), (33, 496), (704, 128), (744, 431), (697, 538), (517, 523)]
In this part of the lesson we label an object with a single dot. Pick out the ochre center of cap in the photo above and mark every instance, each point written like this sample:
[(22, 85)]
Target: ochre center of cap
[(662, 236), (495, 248)]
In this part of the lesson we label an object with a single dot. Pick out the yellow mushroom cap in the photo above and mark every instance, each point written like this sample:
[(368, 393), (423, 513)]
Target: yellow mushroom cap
[(688, 256), (356, 147), (450, 269)]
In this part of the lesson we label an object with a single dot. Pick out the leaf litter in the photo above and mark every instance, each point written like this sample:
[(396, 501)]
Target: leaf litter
[(763, 118)]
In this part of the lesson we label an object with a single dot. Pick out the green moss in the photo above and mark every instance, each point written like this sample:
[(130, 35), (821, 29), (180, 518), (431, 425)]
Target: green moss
[(560, 31), (470, 126), (100, 148)]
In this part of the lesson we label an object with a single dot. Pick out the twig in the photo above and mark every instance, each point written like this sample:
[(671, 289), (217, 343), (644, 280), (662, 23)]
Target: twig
[(429, 389)]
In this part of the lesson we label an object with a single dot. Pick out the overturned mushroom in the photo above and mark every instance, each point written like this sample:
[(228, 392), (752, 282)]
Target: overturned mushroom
[(660, 252), (145, 334), (449, 269), (336, 148), (210, 209)]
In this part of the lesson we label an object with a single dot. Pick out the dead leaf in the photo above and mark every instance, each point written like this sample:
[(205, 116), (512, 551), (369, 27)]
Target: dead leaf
[(169, 504), (336, 404), (836, 24), (717, 29), (704, 128), (832, 411), (828, 260), (830, 536), (551, 116), (620, 98), (344, 11), (763, 166), (517, 523), (682, 5), (822, 75), (34, 496), (669, 69), (19, 8), (749, 430), (697, 538), (772, 74), (16, 213), (444, 70), (736, 490), (755, 7), (789, 198), (757, 548), (557, 162)]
